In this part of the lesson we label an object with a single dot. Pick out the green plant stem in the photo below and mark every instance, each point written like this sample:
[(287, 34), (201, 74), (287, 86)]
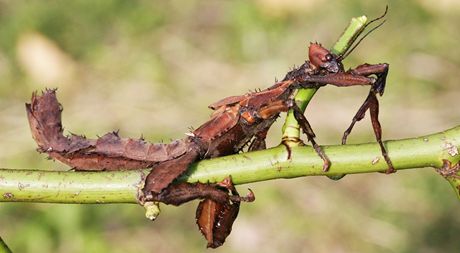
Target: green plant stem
[(69, 186), (3, 247), (123, 186), (291, 129)]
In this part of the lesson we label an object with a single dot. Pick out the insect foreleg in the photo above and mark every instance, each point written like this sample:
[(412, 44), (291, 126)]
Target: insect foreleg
[(379, 70), (341, 79)]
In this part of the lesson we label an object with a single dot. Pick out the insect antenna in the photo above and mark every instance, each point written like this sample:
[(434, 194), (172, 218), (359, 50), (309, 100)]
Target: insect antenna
[(350, 50), (377, 19), (359, 41)]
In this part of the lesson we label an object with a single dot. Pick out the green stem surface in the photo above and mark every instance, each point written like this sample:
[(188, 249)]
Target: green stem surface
[(273, 163), (291, 129)]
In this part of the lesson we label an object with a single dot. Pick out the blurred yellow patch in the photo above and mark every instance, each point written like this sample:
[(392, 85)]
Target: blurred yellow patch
[(43, 61), (284, 7), (441, 5)]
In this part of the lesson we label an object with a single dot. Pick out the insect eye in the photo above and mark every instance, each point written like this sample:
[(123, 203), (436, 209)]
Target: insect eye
[(328, 57)]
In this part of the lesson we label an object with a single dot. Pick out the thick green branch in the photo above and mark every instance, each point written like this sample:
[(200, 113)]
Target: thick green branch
[(123, 186)]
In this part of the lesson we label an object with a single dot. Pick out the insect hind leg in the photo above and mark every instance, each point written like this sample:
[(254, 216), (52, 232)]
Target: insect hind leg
[(372, 104)]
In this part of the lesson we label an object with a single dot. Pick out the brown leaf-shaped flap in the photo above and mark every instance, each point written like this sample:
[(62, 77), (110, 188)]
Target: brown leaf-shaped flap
[(206, 214), (110, 152), (44, 114), (164, 173), (110, 143), (218, 125), (228, 101), (215, 220)]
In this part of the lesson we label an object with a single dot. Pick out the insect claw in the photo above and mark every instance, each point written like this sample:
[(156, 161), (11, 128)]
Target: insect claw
[(390, 170), (326, 165), (250, 197)]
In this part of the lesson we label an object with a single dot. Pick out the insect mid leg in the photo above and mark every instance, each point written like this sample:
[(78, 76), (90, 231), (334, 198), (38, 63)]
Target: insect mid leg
[(306, 127), (259, 141), (359, 116)]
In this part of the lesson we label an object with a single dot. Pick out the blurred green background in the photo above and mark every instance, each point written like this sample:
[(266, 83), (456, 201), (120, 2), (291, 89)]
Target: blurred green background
[(152, 67)]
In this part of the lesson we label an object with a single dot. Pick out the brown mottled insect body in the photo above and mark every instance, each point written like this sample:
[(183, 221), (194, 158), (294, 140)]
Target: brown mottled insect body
[(236, 121)]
